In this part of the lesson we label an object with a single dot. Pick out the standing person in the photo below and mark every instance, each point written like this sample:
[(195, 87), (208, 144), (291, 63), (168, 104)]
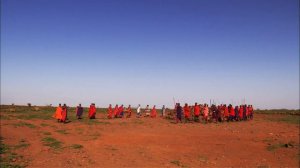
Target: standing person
[(205, 112), (92, 111), (251, 112), (109, 112), (153, 112), (64, 113), (121, 111), (214, 112), (221, 113), (79, 111), (57, 114), (241, 110), (196, 112), (129, 111), (245, 112), (231, 112), (147, 111), (226, 113), (163, 111), (186, 111), (116, 111), (236, 111), (178, 113), (138, 111)]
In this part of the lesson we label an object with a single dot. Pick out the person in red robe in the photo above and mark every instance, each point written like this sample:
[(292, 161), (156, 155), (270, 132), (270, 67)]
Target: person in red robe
[(64, 113), (79, 111), (153, 112), (121, 111), (221, 109), (129, 111), (92, 111), (251, 112), (205, 112), (109, 112), (241, 109), (247, 111), (226, 113), (196, 112), (186, 112), (231, 113), (57, 114), (116, 109)]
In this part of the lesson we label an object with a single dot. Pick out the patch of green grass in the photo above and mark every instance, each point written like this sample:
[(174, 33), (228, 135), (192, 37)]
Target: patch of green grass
[(95, 122), (277, 111), (52, 142), (62, 132), (111, 148), (123, 123), (5, 117), (202, 158), (7, 157), (13, 156), (289, 119), (6, 164), (276, 146), (138, 122), (76, 146), (175, 162), (47, 133), (22, 144), (44, 125), (3, 148), (34, 115), (93, 136), (263, 166), (178, 163), (22, 124), (268, 140)]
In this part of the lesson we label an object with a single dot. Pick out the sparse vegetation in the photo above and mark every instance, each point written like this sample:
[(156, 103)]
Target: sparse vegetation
[(96, 122), (273, 147), (263, 166), (76, 146), (289, 119), (202, 158), (22, 124), (22, 144), (44, 125), (278, 111), (5, 117), (47, 133), (62, 132), (175, 162), (8, 158), (138, 122), (111, 148), (52, 142)]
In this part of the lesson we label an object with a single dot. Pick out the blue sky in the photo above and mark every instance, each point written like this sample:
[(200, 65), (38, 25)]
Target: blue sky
[(149, 51)]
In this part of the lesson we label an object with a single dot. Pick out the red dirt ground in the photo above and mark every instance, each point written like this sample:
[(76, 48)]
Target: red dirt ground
[(147, 142)]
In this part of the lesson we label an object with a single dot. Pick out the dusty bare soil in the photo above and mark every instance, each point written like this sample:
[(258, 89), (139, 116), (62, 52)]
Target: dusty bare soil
[(147, 142)]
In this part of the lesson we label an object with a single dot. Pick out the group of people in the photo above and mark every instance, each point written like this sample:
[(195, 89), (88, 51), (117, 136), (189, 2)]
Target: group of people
[(119, 111), (61, 113), (213, 113), (196, 112)]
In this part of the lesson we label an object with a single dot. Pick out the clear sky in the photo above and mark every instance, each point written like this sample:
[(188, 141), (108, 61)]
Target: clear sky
[(149, 51)]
